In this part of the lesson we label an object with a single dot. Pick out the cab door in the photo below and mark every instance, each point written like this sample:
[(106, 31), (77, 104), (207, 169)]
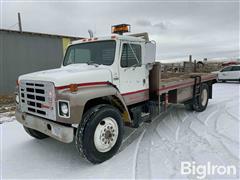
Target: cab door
[(134, 83)]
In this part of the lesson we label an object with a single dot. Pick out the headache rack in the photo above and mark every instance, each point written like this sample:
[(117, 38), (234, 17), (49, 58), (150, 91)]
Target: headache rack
[(143, 35)]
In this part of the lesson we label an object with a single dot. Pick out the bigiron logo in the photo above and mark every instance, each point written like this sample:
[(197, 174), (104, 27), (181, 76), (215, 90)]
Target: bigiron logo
[(203, 170)]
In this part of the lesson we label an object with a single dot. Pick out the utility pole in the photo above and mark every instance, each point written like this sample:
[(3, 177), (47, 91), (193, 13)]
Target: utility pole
[(195, 66), (19, 22), (190, 58)]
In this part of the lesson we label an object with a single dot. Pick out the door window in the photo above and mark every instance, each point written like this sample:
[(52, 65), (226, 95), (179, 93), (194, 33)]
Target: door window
[(236, 68), (131, 55), (227, 69)]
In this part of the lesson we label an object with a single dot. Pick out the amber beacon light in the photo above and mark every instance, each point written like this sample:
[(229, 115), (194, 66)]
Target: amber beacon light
[(120, 28)]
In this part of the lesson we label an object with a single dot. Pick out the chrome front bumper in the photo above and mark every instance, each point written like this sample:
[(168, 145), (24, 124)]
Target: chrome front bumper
[(62, 133)]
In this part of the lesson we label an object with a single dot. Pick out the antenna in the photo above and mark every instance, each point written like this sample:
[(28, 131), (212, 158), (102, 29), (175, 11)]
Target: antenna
[(19, 22), (90, 32)]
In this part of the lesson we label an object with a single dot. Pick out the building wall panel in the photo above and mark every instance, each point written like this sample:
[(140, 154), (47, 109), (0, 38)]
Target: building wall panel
[(25, 53)]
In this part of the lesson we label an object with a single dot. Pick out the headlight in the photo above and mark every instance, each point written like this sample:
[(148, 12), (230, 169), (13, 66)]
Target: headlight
[(17, 98), (64, 108)]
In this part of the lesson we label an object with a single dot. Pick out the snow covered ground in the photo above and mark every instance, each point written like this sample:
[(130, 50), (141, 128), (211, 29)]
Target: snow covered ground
[(179, 135)]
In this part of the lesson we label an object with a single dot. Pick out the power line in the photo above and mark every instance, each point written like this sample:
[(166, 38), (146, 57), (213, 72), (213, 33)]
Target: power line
[(12, 25)]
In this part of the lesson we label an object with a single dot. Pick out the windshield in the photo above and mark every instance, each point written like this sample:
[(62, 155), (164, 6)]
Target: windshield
[(101, 52)]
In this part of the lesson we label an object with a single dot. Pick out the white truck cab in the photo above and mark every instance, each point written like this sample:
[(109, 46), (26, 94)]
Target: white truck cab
[(123, 56)]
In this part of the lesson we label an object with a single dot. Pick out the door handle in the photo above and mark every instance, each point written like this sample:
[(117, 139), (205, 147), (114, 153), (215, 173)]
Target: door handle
[(115, 77), (144, 81)]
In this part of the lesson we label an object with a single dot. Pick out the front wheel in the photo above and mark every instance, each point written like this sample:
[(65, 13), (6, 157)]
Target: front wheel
[(99, 136)]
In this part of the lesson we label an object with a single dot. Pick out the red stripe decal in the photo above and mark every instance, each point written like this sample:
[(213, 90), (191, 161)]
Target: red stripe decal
[(134, 92), (84, 84)]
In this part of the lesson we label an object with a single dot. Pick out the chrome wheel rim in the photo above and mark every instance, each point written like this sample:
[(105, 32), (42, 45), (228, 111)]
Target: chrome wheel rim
[(204, 97), (106, 134)]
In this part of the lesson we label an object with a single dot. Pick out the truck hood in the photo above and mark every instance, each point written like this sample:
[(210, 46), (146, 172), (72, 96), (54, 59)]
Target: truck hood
[(72, 74)]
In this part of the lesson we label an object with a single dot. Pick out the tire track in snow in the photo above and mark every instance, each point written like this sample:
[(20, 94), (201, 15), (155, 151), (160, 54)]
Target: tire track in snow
[(181, 136), (202, 138), (179, 142), (233, 117), (214, 138), (142, 168), (210, 116), (177, 145), (136, 155), (172, 146), (143, 153), (214, 144)]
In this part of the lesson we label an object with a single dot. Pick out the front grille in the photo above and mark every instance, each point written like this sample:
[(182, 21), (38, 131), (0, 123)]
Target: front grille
[(38, 98)]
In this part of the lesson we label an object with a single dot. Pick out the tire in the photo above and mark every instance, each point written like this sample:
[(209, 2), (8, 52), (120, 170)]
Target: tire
[(100, 134), (202, 100), (189, 106), (34, 133)]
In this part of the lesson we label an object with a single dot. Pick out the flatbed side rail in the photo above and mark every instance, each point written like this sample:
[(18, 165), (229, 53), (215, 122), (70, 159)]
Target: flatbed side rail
[(185, 83)]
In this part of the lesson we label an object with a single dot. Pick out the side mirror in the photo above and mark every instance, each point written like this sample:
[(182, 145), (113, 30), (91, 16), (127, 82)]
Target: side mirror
[(150, 53), (149, 66)]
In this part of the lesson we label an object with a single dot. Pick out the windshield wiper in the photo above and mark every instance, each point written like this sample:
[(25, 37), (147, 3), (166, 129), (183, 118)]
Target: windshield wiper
[(92, 63), (68, 64)]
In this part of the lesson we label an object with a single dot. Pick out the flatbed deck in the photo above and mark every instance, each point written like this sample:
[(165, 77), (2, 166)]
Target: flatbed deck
[(178, 87), (182, 81)]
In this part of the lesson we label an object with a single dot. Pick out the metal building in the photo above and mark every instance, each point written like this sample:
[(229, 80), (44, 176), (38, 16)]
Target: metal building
[(25, 52)]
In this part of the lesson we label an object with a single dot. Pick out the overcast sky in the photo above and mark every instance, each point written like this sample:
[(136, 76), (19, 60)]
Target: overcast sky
[(201, 28)]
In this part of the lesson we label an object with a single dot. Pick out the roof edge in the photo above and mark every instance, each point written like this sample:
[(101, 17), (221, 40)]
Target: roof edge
[(40, 34)]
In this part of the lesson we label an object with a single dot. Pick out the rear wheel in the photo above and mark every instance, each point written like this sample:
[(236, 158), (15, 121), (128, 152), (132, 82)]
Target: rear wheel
[(34, 133), (189, 106), (202, 100), (99, 136)]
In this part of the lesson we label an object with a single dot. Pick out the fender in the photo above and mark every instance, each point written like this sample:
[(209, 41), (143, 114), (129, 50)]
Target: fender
[(77, 101)]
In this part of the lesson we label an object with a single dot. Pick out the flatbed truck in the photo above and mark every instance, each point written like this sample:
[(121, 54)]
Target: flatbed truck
[(104, 84)]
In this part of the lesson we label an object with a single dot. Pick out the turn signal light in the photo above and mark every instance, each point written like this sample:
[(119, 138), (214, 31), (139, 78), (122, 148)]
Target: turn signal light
[(73, 87)]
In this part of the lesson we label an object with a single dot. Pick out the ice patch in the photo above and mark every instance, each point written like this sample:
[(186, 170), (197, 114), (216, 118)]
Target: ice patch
[(7, 117)]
